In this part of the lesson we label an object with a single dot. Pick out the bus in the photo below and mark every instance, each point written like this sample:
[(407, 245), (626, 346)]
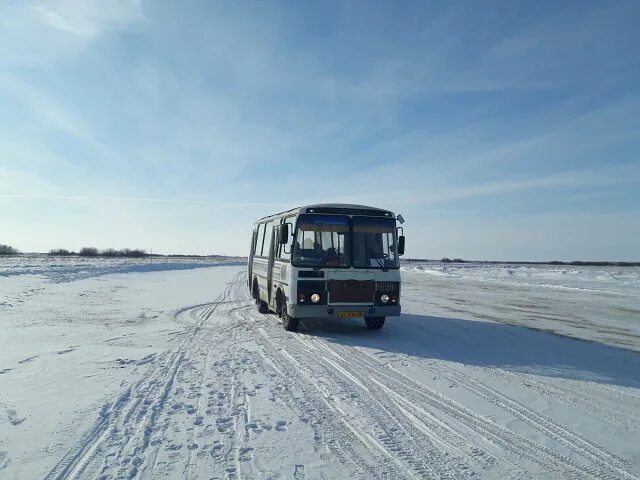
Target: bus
[(328, 260)]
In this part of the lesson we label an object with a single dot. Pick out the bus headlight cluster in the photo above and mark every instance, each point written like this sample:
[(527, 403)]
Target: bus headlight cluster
[(384, 298), (315, 298)]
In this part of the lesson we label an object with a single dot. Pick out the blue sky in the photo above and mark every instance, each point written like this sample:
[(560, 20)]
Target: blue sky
[(500, 130)]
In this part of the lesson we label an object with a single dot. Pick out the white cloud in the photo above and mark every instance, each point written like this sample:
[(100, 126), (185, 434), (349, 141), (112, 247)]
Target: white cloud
[(87, 18), (43, 32)]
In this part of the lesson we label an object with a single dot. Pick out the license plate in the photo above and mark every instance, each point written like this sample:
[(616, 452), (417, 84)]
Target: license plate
[(350, 314)]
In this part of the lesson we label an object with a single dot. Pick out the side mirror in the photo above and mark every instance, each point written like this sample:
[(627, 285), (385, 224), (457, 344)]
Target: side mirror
[(283, 234), (401, 245)]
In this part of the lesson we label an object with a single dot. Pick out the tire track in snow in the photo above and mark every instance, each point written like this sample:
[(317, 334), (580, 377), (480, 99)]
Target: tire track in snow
[(419, 396), (333, 428), (593, 399), (425, 455), (121, 434), (422, 453), (211, 429), (419, 440), (371, 418), (573, 441)]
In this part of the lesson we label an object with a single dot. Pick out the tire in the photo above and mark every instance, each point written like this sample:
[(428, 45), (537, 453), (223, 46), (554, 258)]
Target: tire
[(255, 292), (374, 323), (279, 303), (262, 306), (289, 323)]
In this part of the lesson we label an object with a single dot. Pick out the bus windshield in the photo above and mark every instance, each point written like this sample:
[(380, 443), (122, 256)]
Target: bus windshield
[(373, 243), (322, 241), (339, 241)]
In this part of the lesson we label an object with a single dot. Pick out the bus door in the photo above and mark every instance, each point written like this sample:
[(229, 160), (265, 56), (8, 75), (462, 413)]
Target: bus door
[(270, 264), (252, 252)]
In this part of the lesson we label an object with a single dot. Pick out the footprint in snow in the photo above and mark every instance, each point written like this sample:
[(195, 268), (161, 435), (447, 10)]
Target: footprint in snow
[(216, 449), (224, 424), (4, 460), (246, 454), (300, 472), (12, 415)]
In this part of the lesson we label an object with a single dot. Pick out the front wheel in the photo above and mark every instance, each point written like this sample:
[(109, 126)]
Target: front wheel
[(289, 323), (374, 323)]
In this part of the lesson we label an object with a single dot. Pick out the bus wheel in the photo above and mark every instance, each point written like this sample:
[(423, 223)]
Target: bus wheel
[(280, 301), (374, 323), (262, 306), (290, 324), (255, 293)]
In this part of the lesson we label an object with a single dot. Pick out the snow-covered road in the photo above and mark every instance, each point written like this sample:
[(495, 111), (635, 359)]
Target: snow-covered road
[(217, 390)]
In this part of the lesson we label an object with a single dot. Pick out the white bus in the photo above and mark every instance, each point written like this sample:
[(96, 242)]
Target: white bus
[(328, 260)]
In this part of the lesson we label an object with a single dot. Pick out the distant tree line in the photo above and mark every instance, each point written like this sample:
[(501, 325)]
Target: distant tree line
[(455, 260), (580, 263), (94, 252), (8, 250)]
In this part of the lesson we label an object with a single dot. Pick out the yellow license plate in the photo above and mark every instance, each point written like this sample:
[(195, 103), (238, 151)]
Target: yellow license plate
[(350, 314)]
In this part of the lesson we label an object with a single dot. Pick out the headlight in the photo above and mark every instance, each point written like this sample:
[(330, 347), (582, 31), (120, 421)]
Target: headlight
[(315, 298), (384, 298)]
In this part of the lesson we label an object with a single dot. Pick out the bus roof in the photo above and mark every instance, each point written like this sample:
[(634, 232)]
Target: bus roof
[(332, 208)]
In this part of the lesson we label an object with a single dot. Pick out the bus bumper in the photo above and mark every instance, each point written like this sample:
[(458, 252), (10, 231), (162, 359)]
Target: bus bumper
[(323, 311)]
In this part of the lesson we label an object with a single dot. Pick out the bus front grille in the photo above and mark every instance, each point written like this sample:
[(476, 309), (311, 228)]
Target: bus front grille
[(351, 291), (388, 287)]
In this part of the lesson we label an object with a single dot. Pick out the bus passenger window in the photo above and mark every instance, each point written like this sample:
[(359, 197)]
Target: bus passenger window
[(266, 245), (259, 239)]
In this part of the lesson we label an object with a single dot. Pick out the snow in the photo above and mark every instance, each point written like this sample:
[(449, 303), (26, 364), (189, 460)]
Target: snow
[(610, 279), (590, 303), (110, 370), (65, 269)]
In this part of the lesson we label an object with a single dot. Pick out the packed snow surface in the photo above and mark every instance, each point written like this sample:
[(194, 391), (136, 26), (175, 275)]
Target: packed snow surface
[(134, 373)]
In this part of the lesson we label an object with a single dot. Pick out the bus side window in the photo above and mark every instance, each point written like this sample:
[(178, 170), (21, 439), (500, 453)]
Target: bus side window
[(276, 239), (259, 237), (254, 236), (266, 245)]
